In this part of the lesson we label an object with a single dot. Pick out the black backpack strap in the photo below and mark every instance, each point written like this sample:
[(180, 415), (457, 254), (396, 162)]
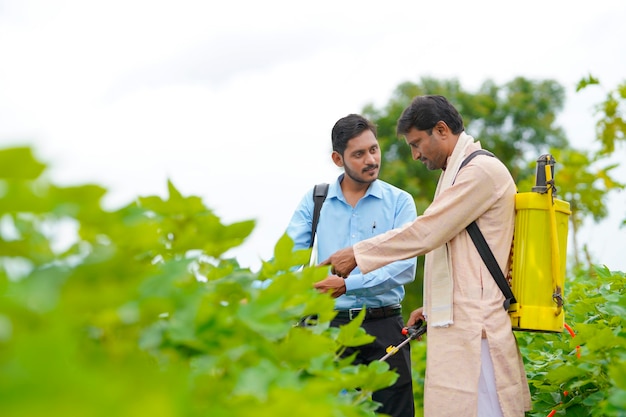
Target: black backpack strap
[(492, 265), (483, 247), (474, 154), (319, 195)]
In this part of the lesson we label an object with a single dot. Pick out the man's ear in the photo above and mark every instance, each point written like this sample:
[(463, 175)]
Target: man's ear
[(337, 159), (442, 128)]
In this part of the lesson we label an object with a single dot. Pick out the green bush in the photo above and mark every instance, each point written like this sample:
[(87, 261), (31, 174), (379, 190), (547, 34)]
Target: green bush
[(139, 314), (579, 375), (582, 373)]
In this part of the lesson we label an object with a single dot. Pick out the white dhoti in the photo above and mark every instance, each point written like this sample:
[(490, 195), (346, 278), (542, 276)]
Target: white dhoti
[(488, 404)]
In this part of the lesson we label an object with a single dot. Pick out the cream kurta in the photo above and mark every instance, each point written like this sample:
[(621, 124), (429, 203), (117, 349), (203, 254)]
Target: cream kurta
[(483, 190)]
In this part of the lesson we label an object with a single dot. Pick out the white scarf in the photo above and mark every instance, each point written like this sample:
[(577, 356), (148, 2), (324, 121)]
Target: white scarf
[(438, 285)]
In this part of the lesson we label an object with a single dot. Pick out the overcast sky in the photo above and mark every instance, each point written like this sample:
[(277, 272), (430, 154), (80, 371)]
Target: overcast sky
[(234, 101)]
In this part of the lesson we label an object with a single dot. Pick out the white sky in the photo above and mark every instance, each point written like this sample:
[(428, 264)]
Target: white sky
[(234, 101)]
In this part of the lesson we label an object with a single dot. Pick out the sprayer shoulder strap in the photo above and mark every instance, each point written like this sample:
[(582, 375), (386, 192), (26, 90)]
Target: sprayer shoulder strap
[(319, 195), (483, 247), (492, 265)]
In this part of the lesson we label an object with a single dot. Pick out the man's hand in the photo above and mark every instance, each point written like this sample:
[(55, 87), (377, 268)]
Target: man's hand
[(341, 262), (336, 285), (415, 316)]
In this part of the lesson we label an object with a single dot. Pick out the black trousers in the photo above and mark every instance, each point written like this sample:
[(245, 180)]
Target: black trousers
[(396, 400)]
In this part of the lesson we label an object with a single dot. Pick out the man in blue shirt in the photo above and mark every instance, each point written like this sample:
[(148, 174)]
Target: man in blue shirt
[(359, 206)]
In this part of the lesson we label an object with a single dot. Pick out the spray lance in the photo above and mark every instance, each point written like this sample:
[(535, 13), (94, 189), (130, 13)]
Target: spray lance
[(411, 333)]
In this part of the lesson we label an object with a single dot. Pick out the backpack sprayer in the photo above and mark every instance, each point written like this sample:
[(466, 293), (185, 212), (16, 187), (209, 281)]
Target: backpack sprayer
[(539, 254), (411, 333)]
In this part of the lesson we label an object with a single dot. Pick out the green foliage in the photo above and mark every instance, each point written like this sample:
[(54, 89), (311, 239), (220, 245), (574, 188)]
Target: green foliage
[(611, 125), (138, 313), (587, 81), (583, 374), (19, 164), (418, 366)]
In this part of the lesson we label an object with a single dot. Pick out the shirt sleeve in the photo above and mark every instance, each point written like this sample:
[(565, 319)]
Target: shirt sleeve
[(394, 274), (299, 227), (477, 187)]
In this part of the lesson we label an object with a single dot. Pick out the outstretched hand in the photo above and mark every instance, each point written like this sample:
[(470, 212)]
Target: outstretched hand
[(332, 284), (415, 316), (341, 262)]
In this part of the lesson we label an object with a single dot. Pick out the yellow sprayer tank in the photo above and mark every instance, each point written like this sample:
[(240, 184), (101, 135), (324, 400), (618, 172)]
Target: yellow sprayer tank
[(539, 254)]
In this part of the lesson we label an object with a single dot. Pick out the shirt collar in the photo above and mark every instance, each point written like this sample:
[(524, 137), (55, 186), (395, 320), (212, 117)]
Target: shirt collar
[(334, 190)]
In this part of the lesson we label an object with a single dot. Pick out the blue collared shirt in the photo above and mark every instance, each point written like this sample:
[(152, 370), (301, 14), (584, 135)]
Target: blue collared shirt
[(382, 208)]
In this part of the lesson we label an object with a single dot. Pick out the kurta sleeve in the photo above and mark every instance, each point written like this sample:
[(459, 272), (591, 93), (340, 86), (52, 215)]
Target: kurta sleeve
[(474, 192)]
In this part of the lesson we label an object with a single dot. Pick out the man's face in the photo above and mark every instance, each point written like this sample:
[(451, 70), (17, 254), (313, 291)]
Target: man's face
[(427, 148), (361, 159)]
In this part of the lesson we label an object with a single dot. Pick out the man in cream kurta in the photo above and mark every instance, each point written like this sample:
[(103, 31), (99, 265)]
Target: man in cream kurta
[(470, 344)]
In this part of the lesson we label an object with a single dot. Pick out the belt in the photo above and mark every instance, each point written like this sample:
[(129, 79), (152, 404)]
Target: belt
[(371, 313)]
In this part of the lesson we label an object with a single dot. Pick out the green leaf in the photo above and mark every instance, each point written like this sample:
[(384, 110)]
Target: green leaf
[(563, 374), (265, 316), (352, 334), (19, 164), (259, 380), (167, 279), (6, 329), (617, 400), (301, 346), (617, 372), (41, 290), (283, 253), (587, 81)]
